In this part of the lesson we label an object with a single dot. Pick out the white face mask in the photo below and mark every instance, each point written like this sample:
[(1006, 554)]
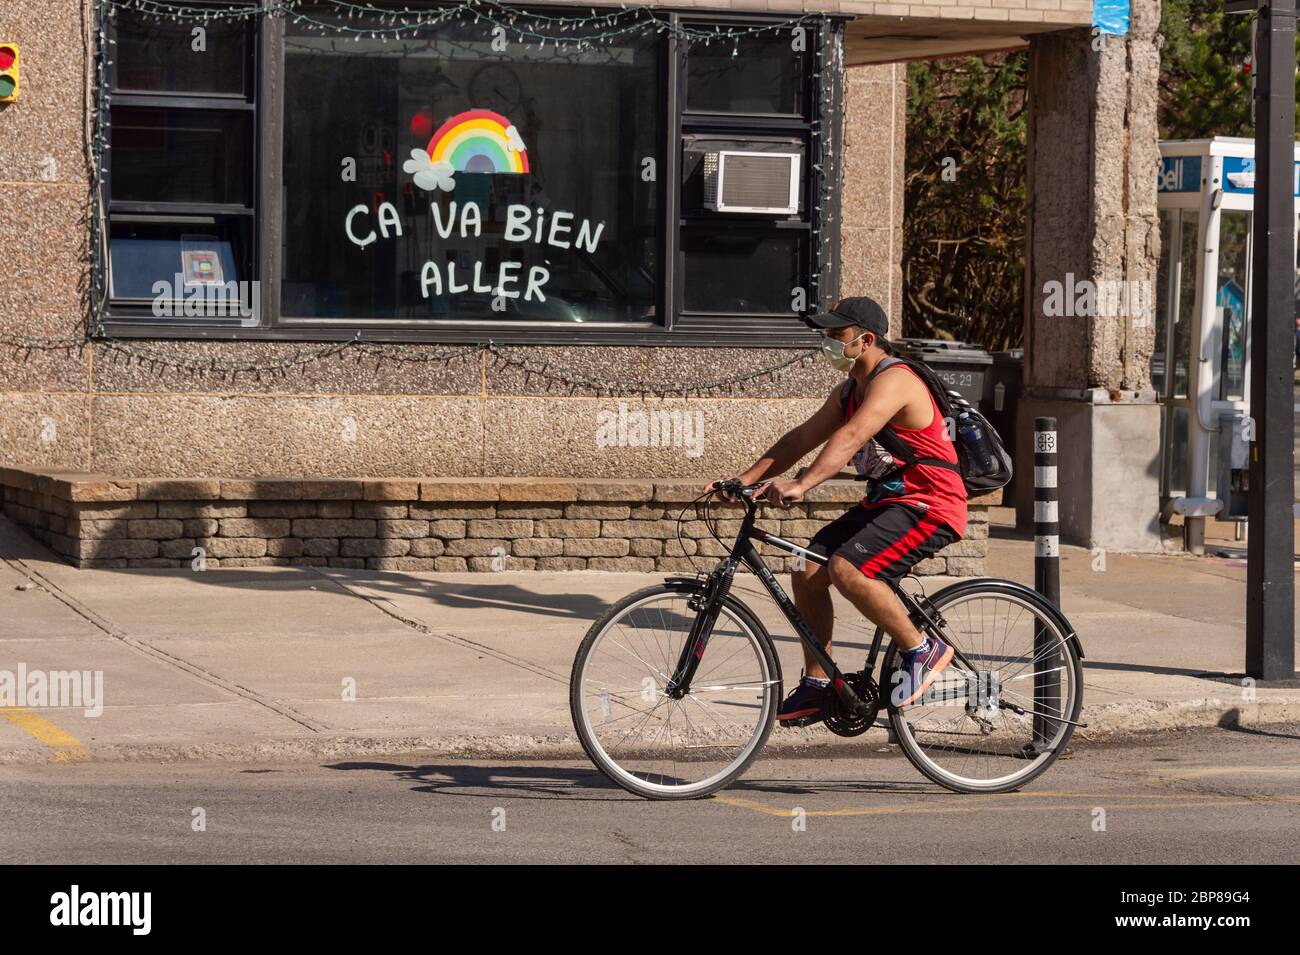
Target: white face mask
[(834, 353)]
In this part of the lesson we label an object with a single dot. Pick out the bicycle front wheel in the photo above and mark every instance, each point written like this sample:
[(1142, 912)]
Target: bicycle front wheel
[(643, 739), (1004, 709)]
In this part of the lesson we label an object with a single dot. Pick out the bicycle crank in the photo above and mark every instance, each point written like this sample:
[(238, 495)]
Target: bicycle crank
[(843, 722)]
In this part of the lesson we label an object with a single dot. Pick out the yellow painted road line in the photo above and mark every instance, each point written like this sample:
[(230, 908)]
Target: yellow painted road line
[(1111, 801), (67, 748), (1203, 771)]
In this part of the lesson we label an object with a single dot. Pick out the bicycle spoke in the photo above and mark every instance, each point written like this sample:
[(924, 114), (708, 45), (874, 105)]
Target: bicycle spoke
[(970, 737), (655, 740)]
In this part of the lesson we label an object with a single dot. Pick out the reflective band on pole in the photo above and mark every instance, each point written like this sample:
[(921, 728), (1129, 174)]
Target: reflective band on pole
[(1048, 662)]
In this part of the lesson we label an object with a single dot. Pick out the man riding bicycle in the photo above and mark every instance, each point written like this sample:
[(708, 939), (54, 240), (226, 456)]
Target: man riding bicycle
[(908, 514)]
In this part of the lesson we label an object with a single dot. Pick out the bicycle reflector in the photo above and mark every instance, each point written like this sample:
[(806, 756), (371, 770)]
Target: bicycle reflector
[(8, 72)]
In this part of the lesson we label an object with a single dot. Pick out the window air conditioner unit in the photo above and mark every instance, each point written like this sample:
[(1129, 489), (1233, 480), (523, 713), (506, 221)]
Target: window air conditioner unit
[(736, 181)]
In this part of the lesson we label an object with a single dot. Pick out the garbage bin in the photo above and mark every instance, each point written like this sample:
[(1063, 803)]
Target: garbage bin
[(1002, 389), (963, 368)]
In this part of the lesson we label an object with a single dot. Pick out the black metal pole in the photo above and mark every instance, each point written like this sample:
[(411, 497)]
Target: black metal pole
[(1047, 580), (1270, 584)]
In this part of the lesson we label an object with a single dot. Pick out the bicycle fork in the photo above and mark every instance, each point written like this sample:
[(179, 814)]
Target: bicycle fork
[(707, 604)]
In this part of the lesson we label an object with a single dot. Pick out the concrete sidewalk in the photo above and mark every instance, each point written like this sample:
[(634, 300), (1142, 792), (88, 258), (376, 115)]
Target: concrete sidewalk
[(252, 664)]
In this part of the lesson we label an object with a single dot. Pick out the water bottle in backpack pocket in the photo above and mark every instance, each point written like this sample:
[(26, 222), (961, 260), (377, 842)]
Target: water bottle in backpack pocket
[(982, 457), (973, 439)]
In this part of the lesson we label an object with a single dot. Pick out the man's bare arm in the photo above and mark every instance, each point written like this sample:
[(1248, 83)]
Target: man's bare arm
[(796, 442), (887, 396)]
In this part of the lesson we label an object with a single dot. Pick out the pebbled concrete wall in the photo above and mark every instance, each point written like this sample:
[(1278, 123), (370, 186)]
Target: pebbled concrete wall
[(871, 229), (1093, 157), (92, 408)]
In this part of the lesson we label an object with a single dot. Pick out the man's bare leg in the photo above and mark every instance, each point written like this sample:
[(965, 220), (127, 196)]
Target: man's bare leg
[(877, 602), (812, 595)]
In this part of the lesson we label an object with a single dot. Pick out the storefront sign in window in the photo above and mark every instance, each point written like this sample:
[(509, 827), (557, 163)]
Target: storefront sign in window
[(440, 178)]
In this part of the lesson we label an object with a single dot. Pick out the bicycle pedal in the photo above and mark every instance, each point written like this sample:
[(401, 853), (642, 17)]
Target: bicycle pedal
[(801, 721)]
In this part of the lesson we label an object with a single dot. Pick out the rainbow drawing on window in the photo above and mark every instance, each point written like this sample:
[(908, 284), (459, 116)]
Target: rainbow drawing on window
[(477, 140)]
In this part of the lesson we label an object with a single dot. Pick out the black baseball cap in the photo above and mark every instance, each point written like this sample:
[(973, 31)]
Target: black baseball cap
[(859, 310)]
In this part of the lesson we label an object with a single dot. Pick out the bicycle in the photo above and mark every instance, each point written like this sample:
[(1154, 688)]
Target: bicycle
[(642, 665)]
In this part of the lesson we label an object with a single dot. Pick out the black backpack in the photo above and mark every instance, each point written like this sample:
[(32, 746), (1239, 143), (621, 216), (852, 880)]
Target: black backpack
[(982, 458)]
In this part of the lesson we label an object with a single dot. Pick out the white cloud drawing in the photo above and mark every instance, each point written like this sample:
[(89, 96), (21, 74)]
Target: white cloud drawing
[(429, 175), (514, 140)]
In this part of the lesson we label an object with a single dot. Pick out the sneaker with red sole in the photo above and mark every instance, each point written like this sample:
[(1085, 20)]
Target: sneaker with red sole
[(803, 706)]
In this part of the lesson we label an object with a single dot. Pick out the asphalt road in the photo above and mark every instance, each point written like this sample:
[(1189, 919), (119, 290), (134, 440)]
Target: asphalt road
[(1214, 796)]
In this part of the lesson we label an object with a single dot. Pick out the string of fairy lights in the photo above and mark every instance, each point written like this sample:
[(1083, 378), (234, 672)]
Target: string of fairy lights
[(828, 75), (391, 22), (552, 374), (578, 30)]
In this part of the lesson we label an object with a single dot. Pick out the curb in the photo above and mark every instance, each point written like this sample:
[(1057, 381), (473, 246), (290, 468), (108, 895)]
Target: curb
[(1133, 717), (1106, 722)]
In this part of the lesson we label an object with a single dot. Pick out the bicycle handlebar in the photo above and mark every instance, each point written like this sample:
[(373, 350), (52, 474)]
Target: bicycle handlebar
[(734, 488)]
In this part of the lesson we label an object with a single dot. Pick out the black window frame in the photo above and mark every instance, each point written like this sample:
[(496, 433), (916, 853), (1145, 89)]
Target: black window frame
[(675, 327), (131, 320), (751, 126)]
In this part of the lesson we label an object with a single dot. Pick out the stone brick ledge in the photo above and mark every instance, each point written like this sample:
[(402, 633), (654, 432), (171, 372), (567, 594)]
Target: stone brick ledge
[(442, 524)]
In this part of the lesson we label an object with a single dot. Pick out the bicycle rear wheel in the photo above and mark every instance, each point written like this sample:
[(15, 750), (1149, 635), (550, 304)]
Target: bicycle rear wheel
[(643, 739), (999, 720)]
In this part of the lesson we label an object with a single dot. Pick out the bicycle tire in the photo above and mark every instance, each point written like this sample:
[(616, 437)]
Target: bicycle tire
[(740, 614), (992, 587)]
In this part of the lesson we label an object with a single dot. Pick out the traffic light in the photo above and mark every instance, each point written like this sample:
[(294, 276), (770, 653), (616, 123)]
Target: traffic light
[(8, 72)]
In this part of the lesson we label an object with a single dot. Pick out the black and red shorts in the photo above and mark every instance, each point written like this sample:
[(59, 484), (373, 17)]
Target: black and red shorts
[(884, 541)]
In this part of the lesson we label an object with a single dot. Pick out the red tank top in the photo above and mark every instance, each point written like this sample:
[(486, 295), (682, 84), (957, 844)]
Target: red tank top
[(933, 490)]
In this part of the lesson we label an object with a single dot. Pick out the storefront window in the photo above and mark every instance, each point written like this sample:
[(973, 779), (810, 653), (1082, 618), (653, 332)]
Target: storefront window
[(181, 169), (460, 180), (752, 74), (741, 271), (745, 115), (167, 56), (440, 179), (217, 146)]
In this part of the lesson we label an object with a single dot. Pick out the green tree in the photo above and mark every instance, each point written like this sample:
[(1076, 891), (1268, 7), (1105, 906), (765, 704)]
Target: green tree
[(963, 239), (964, 194), (1204, 90)]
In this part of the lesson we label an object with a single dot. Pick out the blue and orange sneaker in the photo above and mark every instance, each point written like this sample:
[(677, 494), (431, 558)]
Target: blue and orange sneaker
[(803, 706), (921, 666)]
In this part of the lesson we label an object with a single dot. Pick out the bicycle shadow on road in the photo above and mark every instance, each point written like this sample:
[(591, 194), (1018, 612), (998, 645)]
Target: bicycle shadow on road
[(518, 781), (587, 784)]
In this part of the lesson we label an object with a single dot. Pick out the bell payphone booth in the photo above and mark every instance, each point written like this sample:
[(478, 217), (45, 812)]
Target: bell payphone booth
[(1201, 364)]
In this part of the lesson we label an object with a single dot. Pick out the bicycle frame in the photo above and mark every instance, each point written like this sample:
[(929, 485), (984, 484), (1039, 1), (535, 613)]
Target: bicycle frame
[(709, 603)]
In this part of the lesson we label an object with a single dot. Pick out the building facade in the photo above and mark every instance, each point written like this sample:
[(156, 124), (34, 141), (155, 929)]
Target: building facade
[(450, 241)]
